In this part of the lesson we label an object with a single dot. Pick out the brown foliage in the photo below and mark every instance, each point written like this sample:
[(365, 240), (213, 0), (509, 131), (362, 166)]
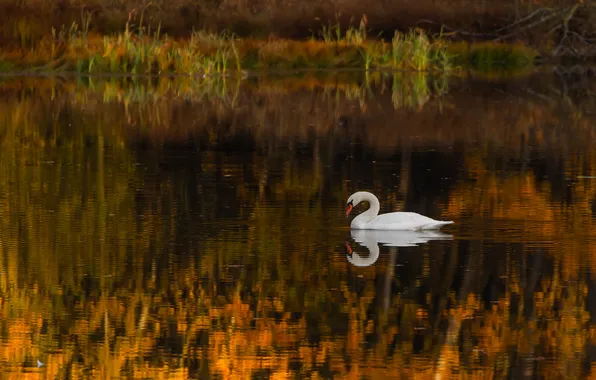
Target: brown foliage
[(292, 19)]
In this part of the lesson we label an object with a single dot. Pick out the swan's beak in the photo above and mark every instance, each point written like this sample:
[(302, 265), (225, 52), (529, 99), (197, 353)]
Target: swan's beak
[(350, 207), (348, 248)]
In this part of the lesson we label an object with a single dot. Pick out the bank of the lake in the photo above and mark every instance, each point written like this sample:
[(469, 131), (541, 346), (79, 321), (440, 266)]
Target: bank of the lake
[(146, 51)]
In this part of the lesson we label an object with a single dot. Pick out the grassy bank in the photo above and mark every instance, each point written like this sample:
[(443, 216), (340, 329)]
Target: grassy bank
[(141, 50), (101, 36)]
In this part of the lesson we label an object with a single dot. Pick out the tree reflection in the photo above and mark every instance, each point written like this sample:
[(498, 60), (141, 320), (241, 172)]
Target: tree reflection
[(189, 237)]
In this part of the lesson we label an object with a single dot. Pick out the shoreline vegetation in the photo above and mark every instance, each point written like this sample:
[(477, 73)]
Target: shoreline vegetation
[(148, 42), (141, 50)]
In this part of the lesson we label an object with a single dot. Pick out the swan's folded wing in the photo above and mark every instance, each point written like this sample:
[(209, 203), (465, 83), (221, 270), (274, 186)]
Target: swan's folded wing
[(404, 221)]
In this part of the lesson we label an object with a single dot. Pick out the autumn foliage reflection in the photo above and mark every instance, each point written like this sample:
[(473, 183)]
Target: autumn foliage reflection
[(193, 235)]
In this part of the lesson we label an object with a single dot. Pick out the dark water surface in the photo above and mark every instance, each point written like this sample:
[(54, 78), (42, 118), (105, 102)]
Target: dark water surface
[(166, 229)]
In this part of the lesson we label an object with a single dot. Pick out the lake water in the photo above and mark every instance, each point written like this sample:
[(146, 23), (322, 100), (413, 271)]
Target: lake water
[(161, 228)]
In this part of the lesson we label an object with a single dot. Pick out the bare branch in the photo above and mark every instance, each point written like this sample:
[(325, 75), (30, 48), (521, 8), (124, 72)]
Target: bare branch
[(571, 26), (532, 25), (566, 30), (519, 22)]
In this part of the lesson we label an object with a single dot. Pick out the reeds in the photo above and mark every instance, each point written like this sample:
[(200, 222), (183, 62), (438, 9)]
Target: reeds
[(332, 33), (408, 51), (155, 54), (140, 50)]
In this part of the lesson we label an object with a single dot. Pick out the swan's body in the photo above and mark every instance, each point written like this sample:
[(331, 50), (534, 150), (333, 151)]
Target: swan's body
[(372, 238), (394, 221)]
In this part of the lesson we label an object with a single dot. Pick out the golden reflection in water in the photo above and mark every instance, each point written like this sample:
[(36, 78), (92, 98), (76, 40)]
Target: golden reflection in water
[(123, 257)]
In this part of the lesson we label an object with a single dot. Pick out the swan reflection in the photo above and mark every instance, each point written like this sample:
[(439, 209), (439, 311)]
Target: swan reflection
[(372, 238)]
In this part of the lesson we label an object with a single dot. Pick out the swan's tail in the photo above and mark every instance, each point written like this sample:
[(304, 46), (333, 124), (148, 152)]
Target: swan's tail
[(434, 225)]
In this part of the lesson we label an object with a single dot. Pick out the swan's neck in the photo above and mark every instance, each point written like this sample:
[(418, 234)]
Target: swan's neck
[(369, 214), (373, 249)]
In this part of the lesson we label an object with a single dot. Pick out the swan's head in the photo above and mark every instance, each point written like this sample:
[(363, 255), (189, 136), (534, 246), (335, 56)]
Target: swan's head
[(353, 200)]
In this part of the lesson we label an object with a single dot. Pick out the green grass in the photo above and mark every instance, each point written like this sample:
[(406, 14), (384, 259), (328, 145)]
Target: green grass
[(490, 57)]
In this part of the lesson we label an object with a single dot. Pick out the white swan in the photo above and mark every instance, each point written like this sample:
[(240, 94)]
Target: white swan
[(371, 220), (372, 238)]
